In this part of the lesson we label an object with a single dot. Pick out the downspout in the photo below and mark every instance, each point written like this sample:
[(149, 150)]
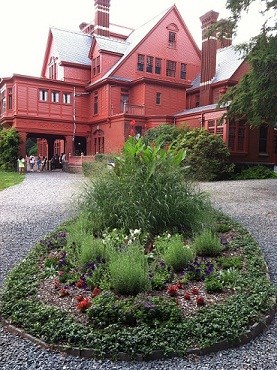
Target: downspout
[(74, 113)]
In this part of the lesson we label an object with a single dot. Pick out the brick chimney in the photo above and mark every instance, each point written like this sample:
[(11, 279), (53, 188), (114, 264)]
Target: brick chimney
[(208, 57), (102, 17)]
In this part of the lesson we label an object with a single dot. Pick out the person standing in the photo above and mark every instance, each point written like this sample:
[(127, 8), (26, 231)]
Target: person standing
[(21, 164), (38, 163), (32, 162), (43, 163)]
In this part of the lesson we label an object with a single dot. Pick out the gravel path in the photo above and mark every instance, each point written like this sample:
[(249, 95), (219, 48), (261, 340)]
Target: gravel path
[(30, 210)]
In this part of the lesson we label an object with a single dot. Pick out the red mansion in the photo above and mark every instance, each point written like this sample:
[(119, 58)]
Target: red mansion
[(106, 82)]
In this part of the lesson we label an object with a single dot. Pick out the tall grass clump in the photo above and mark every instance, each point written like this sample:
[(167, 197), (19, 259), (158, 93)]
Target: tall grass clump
[(129, 271), (147, 190), (177, 255), (93, 250), (207, 244)]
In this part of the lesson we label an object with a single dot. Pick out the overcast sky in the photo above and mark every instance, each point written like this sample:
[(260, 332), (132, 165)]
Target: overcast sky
[(25, 24)]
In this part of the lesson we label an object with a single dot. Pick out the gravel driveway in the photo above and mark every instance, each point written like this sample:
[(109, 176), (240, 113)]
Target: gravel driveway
[(35, 207)]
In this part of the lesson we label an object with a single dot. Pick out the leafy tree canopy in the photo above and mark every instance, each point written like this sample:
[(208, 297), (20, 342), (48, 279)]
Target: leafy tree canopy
[(254, 98)]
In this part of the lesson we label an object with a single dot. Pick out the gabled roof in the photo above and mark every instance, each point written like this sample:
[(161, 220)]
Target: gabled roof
[(228, 61), (111, 45), (72, 47)]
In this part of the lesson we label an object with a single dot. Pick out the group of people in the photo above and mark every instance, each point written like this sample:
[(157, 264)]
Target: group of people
[(39, 164)]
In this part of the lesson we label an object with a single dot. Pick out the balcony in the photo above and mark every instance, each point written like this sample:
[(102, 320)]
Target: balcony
[(136, 110)]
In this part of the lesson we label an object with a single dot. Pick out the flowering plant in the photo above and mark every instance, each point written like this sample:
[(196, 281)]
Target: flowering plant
[(84, 304), (172, 290)]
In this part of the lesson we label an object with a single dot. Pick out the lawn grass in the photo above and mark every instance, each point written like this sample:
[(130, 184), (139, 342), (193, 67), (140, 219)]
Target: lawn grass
[(8, 179)]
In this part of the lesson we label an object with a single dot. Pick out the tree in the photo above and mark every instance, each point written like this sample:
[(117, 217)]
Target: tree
[(254, 98), (9, 148)]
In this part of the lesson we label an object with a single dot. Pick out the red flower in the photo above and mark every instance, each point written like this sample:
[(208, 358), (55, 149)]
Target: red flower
[(200, 301), (95, 292), (79, 298), (187, 296), (84, 304), (80, 283), (195, 291), (172, 290), (179, 284), (57, 284), (64, 292)]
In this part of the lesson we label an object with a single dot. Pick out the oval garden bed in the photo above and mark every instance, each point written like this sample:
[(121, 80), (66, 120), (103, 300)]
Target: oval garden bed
[(147, 270), (191, 303)]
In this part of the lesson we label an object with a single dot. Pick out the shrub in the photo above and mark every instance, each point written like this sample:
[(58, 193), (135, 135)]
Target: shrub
[(177, 255), (207, 244), (129, 272), (256, 172), (207, 155), (9, 149)]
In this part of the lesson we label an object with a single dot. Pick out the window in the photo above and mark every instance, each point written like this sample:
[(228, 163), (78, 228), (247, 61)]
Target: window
[(66, 98), (172, 39), (158, 98), (43, 95), (237, 137), (3, 102), (95, 103), (170, 68), (96, 66), (183, 72), (52, 69), (197, 100), (98, 142), (158, 65), (140, 66), (124, 100), (10, 98), (55, 96), (263, 139), (149, 64)]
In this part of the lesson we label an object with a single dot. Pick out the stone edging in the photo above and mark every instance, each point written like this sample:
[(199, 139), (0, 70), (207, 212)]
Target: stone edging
[(255, 330)]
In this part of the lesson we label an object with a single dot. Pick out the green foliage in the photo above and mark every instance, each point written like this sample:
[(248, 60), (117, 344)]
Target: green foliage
[(10, 179), (161, 135), (92, 250), (176, 254), (213, 284), (144, 323), (227, 262), (207, 244), (148, 191), (129, 271), (256, 172), (9, 149), (207, 155)]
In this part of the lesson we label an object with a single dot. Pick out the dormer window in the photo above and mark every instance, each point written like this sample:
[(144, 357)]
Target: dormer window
[(172, 39), (96, 66)]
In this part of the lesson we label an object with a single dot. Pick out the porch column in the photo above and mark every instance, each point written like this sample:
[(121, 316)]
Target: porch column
[(69, 145), (22, 143)]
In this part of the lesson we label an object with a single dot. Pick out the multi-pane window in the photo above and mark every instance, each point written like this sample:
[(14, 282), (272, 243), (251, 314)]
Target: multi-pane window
[(55, 96), (263, 139), (95, 103), (170, 68), (237, 137), (98, 141), (66, 98), (158, 98), (197, 100), (183, 72), (53, 71), (3, 102), (158, 66), (10, 98), (149, 64), (43, 95), (172, 39), (96, 66), (140, 66)]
